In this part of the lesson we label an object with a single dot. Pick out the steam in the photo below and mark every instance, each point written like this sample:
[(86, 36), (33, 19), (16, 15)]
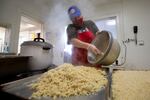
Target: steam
[(58, 17), (57, 20), (87, 7)]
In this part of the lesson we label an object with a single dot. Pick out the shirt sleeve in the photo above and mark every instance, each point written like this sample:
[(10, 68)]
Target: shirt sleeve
[(92, 26), (71, 33)]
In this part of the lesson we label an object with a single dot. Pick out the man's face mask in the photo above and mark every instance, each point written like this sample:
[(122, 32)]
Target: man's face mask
[(78, 21)]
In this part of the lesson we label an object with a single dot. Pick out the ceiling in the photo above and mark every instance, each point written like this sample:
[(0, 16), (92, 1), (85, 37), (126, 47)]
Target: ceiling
[(52, 3), (29, 24), (55, 6)]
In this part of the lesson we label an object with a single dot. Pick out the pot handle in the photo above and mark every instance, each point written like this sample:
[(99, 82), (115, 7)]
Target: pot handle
[(45, 48), (38, 39)]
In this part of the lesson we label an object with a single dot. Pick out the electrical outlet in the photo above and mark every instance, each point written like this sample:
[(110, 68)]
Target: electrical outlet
[(141, 43)]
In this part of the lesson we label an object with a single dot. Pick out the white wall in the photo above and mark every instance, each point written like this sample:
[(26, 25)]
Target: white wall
[(1, 10), (130, 13), (55, 24), (136, 12)]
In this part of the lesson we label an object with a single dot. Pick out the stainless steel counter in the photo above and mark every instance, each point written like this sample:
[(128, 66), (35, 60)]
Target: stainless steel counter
[(21, 89)]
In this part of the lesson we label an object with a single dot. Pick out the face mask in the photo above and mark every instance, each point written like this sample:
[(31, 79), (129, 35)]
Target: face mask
[(78, 21)]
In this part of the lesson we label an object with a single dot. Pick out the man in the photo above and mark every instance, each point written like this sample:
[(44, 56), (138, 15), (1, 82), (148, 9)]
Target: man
[(80, 34)]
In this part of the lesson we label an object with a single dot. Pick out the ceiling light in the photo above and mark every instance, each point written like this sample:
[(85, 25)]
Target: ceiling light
[(30, 25), (111, 22)]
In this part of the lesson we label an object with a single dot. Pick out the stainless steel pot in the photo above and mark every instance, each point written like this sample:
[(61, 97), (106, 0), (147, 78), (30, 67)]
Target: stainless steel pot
[(40, 51), (110, 47)]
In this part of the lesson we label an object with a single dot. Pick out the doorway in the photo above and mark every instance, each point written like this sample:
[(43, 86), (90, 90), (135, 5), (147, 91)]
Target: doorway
[(2, 38), (28, 30)]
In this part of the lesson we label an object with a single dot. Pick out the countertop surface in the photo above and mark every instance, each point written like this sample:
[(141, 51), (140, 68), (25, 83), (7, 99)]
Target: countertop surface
[(12, 56), (20, 88)]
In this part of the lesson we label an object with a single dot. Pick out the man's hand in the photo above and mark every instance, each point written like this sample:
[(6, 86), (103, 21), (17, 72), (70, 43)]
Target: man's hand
[(98, 32), (95, 50), (80, 44)]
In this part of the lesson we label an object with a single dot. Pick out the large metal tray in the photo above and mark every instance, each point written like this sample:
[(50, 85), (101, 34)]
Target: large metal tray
[(115, 69), (21, 89)]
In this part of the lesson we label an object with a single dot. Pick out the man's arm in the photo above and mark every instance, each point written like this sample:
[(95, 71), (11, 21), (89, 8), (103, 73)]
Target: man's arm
[(84, 45)]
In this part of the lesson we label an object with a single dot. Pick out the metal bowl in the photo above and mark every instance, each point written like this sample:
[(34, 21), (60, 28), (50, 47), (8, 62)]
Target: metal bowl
[(110, 47)]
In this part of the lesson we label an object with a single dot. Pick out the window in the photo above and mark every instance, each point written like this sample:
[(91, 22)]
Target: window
[(67, 49), (2, 38), (108, 24), (28, 30), (3, 42)]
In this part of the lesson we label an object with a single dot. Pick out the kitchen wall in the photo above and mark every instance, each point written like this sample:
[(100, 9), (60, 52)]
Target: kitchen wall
[(0, 10), (54, 16), (136, 12), (131, 13)]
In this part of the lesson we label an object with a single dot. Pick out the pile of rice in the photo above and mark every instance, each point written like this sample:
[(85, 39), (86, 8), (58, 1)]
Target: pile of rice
[(68, 80), (131, 85)]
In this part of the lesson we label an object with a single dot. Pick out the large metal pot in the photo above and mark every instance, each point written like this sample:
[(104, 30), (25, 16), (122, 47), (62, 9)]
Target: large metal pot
[(40, 51), (110, 47)]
